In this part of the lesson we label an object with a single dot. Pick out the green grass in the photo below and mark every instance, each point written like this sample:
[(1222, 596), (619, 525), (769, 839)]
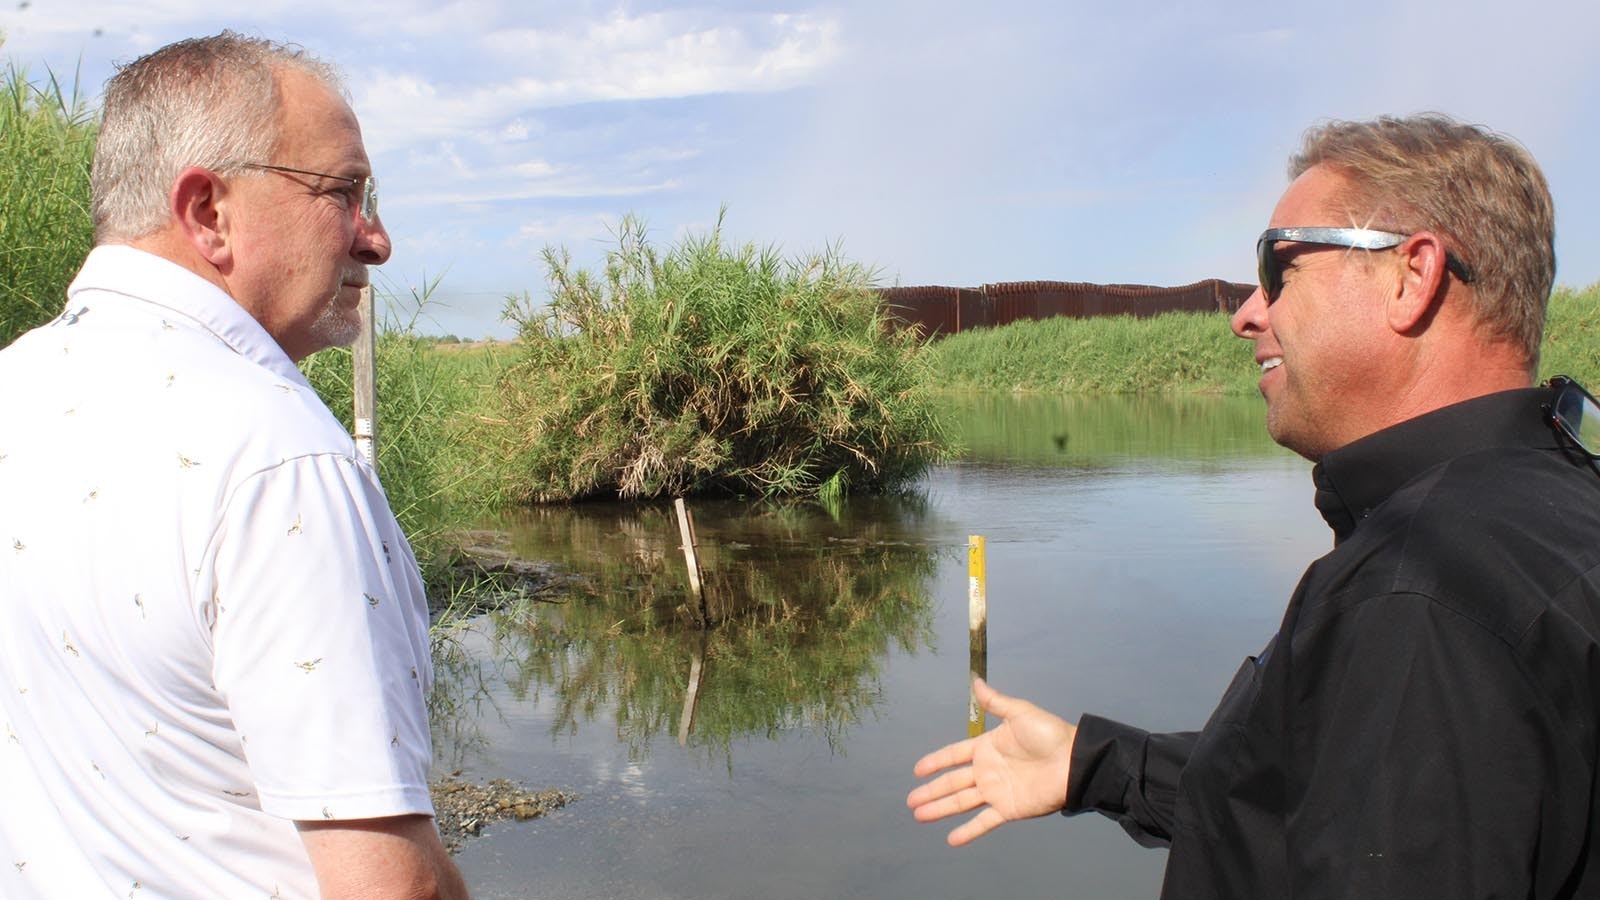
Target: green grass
[(1175, 352), (46, 144), (1572, 336)]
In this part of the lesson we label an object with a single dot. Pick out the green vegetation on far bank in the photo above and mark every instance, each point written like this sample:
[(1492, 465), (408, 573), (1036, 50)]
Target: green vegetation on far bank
[(1183, 353), (1174, 352), (1572, 336)]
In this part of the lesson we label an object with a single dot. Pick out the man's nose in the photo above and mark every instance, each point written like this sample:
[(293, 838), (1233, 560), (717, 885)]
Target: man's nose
[(1250, 320), (372, 245)]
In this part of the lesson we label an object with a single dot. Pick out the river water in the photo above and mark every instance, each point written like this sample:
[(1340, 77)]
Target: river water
[(1137, 549)]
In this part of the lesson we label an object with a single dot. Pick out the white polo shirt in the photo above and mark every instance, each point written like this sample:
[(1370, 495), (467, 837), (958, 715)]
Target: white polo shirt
[(210, 624)]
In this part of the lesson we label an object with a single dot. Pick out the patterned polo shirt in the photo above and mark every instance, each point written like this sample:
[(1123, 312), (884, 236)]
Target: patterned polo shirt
[(210, 623)]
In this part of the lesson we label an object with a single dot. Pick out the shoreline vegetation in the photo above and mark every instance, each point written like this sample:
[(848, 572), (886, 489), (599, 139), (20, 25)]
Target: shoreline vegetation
[(697, 368)]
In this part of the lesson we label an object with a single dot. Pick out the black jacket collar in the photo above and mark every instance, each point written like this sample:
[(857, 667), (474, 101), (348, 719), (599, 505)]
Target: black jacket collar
[(1356, 478)]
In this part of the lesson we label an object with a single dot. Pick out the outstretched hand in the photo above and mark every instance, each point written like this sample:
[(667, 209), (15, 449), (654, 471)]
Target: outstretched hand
[(1016, 770)]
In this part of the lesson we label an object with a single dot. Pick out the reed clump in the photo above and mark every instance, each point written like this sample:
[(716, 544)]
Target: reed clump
[(710, 368), (47, 138)]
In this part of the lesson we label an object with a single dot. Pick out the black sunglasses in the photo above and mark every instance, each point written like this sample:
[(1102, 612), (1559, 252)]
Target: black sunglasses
[(1574, 413), (1269, 268)]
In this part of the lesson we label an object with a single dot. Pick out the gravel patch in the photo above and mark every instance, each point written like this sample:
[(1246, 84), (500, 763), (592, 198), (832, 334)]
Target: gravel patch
[(463, 808)]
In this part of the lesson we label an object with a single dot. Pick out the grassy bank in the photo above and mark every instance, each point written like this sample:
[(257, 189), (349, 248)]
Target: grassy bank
[(1175, 352), (1183, 353)]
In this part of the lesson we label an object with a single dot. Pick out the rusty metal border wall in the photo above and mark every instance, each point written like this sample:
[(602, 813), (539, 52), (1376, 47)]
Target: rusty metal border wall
[(940, 311)]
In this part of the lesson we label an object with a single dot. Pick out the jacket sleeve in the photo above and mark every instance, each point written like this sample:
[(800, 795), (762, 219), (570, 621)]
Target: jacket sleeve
[(1128, 774)]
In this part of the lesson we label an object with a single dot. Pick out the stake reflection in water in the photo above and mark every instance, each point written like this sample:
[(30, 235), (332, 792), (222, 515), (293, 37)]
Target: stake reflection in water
[(801, 620)]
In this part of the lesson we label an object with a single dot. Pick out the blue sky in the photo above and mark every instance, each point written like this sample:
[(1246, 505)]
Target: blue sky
[(941, 142)]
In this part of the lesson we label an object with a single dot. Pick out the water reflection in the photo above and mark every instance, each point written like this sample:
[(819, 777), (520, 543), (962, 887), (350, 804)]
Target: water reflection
[(1102, 432), (803, 608), (804, 603)]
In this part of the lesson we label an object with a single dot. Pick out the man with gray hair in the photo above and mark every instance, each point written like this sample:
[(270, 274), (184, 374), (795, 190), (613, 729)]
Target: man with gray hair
[(213, 637), (1426, 721)]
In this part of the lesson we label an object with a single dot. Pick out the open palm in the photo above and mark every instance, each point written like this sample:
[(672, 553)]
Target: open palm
[(1016, 770)]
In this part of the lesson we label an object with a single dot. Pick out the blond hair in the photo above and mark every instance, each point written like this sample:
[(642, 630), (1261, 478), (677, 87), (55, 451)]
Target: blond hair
[(1479, 190)]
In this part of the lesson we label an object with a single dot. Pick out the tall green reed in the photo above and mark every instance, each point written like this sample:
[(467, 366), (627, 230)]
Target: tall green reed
[(47, 137)]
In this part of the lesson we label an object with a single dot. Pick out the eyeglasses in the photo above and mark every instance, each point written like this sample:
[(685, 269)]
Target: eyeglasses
[(1269, 268), (1574, 413), (368, 185)]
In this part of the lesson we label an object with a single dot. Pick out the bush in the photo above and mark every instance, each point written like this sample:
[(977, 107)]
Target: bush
[(46, 144), (710, 369)]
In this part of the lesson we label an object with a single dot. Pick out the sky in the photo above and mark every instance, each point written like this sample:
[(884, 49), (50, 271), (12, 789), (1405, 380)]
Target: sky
[(937, 142)]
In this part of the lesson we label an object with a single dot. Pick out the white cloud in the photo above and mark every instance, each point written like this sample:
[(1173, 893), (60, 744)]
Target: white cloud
[(620, 58), (666, 54), (505, 191), (563, 229), (536, 168)]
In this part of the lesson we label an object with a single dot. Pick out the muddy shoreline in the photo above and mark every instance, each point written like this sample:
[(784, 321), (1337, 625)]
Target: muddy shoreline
[(462, 808)]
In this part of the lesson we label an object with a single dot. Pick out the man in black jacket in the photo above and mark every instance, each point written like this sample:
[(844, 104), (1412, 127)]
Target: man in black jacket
[(1426, 722)]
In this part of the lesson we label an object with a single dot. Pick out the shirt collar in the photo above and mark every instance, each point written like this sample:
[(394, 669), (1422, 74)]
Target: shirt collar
[(1356, 478), (135, 273)]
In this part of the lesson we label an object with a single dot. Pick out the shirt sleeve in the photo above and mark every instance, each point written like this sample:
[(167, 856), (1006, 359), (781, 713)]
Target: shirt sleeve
[(320, 643), (1424, 762), (1128, 774)]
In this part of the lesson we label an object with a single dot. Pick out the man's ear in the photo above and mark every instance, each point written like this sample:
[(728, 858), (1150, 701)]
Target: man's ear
[(1421, 282), (198, 206)]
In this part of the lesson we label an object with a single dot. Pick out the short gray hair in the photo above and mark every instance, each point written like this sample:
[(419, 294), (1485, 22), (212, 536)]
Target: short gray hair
[(1480, 190), (212, 102)]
